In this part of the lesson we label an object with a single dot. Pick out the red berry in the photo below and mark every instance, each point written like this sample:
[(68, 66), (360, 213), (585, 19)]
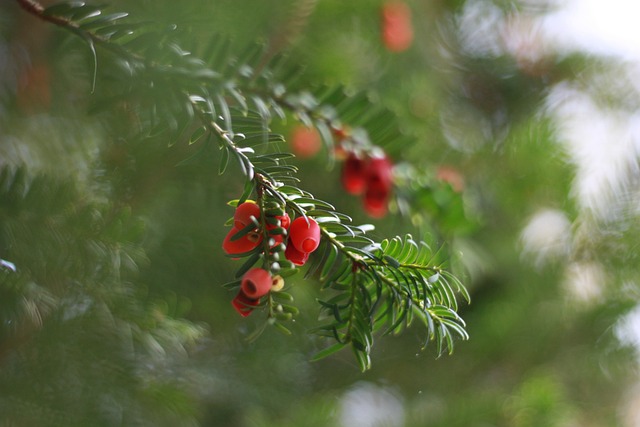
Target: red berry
[(376, 199), (256, 283), (244, 212), (380, 169), (285, 221), (244, 244), (277, 238), (354, 174), (305, 236), (243, 304), (305, 142), (295, 256), (397, 30), (452, 176), (379, 183)]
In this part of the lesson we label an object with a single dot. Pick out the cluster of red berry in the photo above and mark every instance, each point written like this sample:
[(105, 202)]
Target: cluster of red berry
[(299, 238), (361, 174), (371, 177)]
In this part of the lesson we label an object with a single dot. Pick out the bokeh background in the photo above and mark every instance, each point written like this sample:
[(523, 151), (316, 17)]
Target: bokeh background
[(528, 108)]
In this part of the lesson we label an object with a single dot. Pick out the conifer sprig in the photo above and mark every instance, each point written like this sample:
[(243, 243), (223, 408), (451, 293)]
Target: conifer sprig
[(373, 285)]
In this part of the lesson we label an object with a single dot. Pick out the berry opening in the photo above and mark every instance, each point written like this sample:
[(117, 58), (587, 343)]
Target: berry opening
[(256, 283), (250, 287), (309, 245)]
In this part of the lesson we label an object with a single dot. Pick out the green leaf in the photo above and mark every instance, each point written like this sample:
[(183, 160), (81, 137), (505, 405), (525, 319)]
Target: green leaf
[(85, 12), (407, 249), (392, 261), (244, 231), (328, 351), (314, 202), (362, 252), (226, 114), (332, 256), (94, 56), (237, 96), (289, 309), (224, 160), (103, 20), (277, 231), (248, 264), (282, 328), (338, 228), (285, 296), (392, 246), (63, 9), (257, 249), (325, 133), (363, 359), (231, 285), (197, 134), (248, 189), (263, 109)]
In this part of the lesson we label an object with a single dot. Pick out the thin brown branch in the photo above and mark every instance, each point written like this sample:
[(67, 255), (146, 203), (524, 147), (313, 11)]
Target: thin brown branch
[(36, 9)]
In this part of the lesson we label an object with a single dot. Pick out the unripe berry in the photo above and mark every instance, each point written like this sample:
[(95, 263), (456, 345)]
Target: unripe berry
[(244, 212), (243, 304), (256, 283), (244, 244), (354, 174), (295, 256), (277, 283), (305, 236)]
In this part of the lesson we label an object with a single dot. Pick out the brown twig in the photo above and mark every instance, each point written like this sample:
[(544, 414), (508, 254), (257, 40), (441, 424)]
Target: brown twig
[(36, 9)]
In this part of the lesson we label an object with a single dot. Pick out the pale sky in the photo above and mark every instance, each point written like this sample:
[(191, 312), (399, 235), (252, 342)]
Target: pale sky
[(610, 27)]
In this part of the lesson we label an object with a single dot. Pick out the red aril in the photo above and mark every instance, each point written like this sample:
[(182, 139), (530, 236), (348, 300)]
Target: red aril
[(285, 221), (379, 183), (295, 256), (354, 174), (256, 283), (244, 212), (243, 244), (243, 304), (304, 234)]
